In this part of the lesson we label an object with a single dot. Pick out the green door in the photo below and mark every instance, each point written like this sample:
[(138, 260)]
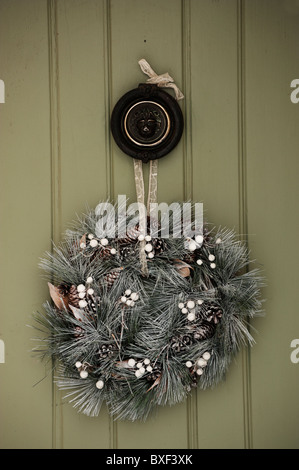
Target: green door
[(64, 64)]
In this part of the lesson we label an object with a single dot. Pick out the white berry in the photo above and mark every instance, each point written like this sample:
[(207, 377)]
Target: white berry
[(89, 280), (100, 384), (151, 255), (211, 257), (191, 316), (131, 362), (93, 242), (81, 288), (148, 247), (199, 239), (192, 245), (82, 303), (199, 262), (206, 355), (201, 362), (199, 371), (90, 236), (213, 265), (200, 301), (148, 238), (128, 292), (141, 238), (188, 364), (149, 368), (181, 305), (78, 364), (83, 374), (190, 304), (123, 299), (184, 310), (104, 242), (81, 295), (113, 251), (142, 370), (137, 373), (90, 291), (134, 296), (129, 303), (139, 365), (146, 361)]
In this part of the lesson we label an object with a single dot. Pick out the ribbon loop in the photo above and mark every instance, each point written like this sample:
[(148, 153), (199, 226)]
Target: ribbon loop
[(164, 80)]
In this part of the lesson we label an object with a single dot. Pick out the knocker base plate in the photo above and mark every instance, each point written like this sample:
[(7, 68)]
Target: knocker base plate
[(147, 123)]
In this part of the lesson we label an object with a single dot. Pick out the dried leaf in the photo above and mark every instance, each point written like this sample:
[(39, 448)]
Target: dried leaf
[(78, 314), (156, 382), (59, 300), (82, 240), (182, 268)]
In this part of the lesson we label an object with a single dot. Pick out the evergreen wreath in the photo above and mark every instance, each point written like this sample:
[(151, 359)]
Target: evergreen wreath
[(136, 341)]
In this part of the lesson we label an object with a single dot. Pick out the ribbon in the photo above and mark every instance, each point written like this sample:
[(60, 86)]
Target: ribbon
[(163, 81), (139, 183), (152, 198), (153, 184)]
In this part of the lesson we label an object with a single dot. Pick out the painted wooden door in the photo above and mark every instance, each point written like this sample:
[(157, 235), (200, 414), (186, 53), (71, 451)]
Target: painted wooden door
[(64, 64)]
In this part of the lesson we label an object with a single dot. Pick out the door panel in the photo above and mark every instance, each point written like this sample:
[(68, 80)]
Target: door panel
[(65, 63), (272, 156), (26, 419)]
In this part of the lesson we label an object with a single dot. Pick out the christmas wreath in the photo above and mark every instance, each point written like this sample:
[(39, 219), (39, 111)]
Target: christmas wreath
[(136, 341), (138, 319)]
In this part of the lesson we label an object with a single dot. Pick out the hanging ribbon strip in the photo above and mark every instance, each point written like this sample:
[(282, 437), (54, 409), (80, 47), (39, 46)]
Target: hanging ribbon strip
[(152, 198), (139, 183), (163, 81), (153, 184)]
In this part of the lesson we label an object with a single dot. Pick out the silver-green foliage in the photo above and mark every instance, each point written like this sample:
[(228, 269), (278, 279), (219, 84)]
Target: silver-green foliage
[(147, 329)]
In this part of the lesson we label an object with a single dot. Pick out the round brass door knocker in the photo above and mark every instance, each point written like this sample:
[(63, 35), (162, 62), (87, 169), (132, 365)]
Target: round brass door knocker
[(147, 123)]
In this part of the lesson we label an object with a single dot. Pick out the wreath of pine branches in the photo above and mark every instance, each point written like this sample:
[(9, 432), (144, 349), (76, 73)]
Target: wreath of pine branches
[(138, 342)]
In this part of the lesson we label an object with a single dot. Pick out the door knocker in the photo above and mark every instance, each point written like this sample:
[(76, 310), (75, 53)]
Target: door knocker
[(147, 122)]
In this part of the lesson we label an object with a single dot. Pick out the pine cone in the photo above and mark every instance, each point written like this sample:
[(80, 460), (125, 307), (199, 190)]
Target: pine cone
[(159, 245), (105, 253), (215, 314), (107, 350), (63, 296), (189, 257), (92, 305), (176, 345), (79, 332), (180, 343), (127, 252), (63, 289), (154, 374), (212, 313), (112, 276), (73, 296), (131, 236), (204, 330)]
